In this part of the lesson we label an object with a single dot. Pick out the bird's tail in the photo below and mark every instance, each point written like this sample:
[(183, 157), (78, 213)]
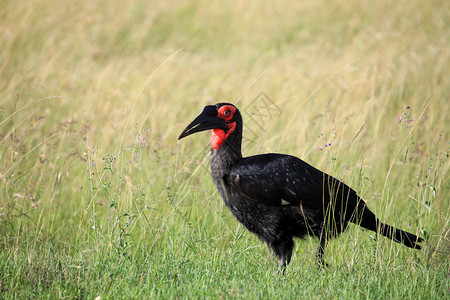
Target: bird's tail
[(367, 219), (408, 239)]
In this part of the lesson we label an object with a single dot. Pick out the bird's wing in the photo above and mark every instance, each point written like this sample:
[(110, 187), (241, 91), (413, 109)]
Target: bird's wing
[(277, 179)]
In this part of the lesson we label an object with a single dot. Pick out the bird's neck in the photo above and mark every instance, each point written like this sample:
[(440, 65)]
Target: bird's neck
[(222, 160), (224, 157), (226, 147), (225, 154)]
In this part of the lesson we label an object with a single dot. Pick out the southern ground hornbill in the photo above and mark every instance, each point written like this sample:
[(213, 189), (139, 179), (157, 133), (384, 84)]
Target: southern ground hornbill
[(279, 197)]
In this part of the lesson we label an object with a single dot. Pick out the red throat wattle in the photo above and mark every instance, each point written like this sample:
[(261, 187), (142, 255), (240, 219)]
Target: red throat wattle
[(218, 136)]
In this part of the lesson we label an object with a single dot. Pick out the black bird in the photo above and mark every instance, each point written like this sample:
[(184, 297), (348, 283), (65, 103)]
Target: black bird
[(279, 197)]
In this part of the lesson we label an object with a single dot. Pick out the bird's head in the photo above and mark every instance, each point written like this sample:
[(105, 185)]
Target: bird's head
[(223, 118)]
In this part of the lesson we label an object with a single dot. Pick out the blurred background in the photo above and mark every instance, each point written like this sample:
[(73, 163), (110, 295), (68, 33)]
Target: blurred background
[(93, 95)]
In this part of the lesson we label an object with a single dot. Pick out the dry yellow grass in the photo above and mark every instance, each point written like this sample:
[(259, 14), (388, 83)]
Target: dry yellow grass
[(80, 80)]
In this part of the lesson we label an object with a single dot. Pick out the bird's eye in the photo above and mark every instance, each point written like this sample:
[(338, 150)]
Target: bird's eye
[(226, 112)]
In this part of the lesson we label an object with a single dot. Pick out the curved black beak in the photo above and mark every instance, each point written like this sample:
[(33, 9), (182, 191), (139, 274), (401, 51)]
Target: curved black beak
[(208, 119)]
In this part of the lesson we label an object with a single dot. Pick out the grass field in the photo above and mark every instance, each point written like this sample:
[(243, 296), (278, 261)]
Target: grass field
[(98, 198)]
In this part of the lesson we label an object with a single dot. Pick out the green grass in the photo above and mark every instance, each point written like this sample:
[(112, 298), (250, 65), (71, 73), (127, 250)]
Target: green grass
[(88, 208)]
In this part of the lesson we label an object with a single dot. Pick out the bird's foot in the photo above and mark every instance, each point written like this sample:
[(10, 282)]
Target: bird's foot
[(321, 265), (281, 268)]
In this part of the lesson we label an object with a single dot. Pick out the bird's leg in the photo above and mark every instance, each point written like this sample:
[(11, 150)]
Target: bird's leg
[(283, 250)]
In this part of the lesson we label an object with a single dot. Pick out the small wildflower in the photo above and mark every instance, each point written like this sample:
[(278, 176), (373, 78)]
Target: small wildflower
[(93, 164), (320, 148), (400, 119)]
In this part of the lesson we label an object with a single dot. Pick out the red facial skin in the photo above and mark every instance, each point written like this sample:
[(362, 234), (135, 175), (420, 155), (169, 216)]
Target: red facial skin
[(218, 136)]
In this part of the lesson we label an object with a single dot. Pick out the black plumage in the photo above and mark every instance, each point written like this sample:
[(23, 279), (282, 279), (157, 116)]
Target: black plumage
[(279, 197)]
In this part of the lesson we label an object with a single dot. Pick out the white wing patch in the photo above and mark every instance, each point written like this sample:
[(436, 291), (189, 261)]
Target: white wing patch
[(284, 202)]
